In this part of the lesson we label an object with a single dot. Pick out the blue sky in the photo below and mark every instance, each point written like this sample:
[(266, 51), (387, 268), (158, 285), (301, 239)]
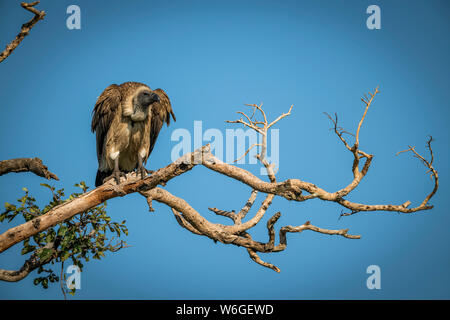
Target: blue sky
[(211, 58)]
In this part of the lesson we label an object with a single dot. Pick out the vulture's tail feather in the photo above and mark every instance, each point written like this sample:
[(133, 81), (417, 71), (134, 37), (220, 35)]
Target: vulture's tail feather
[(101, 175)]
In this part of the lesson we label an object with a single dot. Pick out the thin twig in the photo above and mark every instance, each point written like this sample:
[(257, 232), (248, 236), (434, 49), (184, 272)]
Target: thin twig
[(25, 30)]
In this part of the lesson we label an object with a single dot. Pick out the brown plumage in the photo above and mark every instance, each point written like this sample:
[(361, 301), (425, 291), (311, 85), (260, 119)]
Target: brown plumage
[(127, 119)]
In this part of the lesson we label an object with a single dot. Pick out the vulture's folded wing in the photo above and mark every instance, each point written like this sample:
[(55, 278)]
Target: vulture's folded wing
[(103, 114), (161, 112)]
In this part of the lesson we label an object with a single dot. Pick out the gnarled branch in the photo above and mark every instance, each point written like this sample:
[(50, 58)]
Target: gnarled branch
[(34, 165), (237, 233), (88, 200), (25, 30)]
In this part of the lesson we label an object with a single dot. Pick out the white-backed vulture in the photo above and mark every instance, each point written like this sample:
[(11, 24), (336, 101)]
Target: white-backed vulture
[(127, 119)]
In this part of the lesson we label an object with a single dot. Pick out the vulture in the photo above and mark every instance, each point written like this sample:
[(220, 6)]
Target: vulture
[(127, 119)]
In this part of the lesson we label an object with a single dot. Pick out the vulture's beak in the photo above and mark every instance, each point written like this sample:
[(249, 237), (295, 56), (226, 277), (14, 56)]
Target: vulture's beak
[(155, 98)]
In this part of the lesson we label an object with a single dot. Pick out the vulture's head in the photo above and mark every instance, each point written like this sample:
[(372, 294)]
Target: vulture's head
[(141, 103)]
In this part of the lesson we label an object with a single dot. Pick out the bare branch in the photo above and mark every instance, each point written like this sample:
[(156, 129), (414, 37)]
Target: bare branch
[(97, 196), (25, 30), (193, 221), (262, 128), (254, 256), (339, 130), (228, 214), (280, 117), (248, 150), (237, 233), (243, 212), (429, 164), (367, 102), (182, 222), (255, 106), (254, 127), (29, 266), (239, 228), (34, 165)]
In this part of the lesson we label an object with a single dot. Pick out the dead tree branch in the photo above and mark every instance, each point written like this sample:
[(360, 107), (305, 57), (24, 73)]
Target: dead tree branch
[(193, 221), (25, 30), (88, 200), (237, 233), (29, 266), (34, 165)]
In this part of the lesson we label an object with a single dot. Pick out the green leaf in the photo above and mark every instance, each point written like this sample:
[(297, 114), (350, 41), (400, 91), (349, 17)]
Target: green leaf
[(50, 237), (47, 186), (28, 249), (62, 231), (45, 254), (65, 256)]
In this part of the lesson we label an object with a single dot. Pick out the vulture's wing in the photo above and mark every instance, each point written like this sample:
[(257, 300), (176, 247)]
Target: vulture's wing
[(103, 114), (161, 112)]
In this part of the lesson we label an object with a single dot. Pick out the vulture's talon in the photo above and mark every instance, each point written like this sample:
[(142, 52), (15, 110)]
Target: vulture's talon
[(117, 175), (143, 172)]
